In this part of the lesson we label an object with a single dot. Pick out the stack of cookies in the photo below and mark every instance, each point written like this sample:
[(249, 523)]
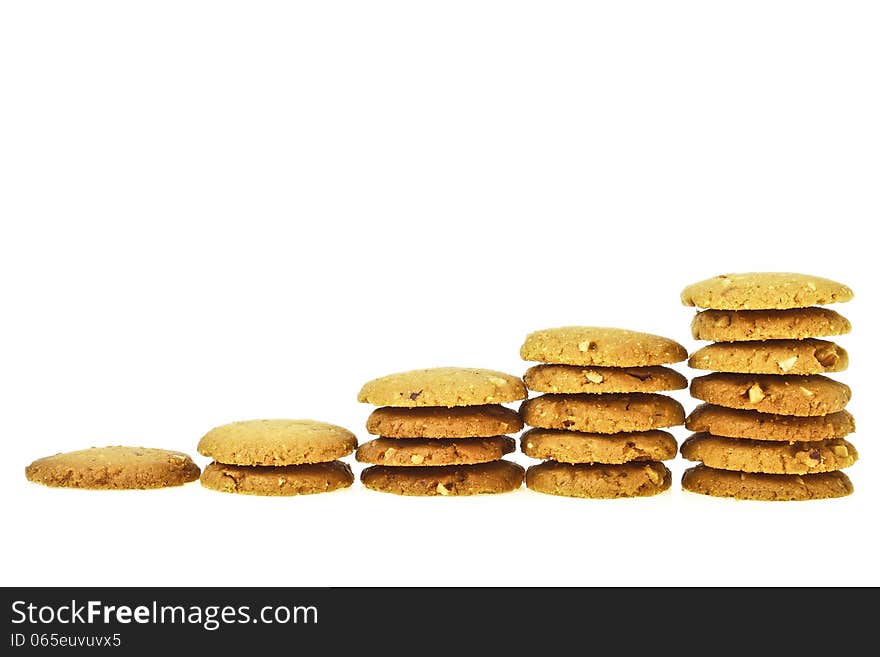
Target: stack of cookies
[(441, 432), (598, 424), (772, 427), (277, 457)]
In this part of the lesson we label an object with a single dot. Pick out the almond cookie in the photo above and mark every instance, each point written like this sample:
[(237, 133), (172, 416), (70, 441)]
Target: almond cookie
[(277, 442), (599, 481), (808, 356), (434, 422), (114, 468), (574, 379), (773, 393), (577, 447), (735, 423), (449, 480), (443, 386), (765, 487), (286, 480), (792, 324), (429, 452), (764, 291), (611, 413), (608, 347), (770, 457)]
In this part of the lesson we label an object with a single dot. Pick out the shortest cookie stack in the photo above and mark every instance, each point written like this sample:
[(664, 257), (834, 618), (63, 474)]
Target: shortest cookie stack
[(441, 432), (597, 426), (277, 457), (772, 426)]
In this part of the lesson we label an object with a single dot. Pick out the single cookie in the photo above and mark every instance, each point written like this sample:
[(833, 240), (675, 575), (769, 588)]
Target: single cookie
[(449, 480), (277, 442), (599, 481), (434, 422), (430, 452), (764, 291), (574, 379), (577, 447), (611, 413), (114, 468), (283, 480), (808, 356), (735, 423), (608, 347), (785, 394), (770, 457), (792, 324), (443, 386), (765, 487)]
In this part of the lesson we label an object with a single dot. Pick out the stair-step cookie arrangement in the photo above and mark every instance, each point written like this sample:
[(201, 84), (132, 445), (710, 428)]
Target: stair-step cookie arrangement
[(597, 423), (772, 426), (442, 432)]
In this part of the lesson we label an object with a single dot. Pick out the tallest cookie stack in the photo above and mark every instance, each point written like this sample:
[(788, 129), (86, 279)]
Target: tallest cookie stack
[(772, 426)]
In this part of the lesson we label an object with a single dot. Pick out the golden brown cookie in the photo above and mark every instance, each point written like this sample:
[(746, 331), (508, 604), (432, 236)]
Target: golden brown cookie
[(575, 379), (449, 480), (443, 386), (277, 442), (735, 423), (611, 413), (786, 394), (578, 447), (430, 452), (282, 480), (766, 487), (792, 324), (764, 291), (770, 457), (599, 481), (808, 356), (442, 422), (606, 347), (114, 468)]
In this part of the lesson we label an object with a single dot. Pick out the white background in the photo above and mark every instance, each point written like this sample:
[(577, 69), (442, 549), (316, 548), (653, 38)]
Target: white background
[(229, 210)]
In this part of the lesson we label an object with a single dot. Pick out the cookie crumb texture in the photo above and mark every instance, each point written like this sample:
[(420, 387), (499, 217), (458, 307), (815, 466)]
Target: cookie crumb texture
[(443, 386), (114, 468), (734, 423), (277, 481), (782, 394), (600, 346), (568, 379), (792, 324), (426, 452), (611, 413), (808, 356), (764, 291), (578, 447), (445, 481), (599, 481), (434, 422), (766, 487)]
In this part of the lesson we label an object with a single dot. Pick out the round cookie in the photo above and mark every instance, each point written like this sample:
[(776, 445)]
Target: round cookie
[(575, 379), (765, 487), (791, 324), (736, 423), (808, 356), (770, 457), (427, 452), (114, 468), (611, 413), (577, 447), (599, 481), (764, 291), (599, 346), (277, 442), (450, 480), (784, 394), (443, 386), (434, 422), (285, 480)]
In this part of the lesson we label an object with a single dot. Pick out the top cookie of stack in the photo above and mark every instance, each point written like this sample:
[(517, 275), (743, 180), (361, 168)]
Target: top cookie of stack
[(769, 412), (441, 432), (597, 423)]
